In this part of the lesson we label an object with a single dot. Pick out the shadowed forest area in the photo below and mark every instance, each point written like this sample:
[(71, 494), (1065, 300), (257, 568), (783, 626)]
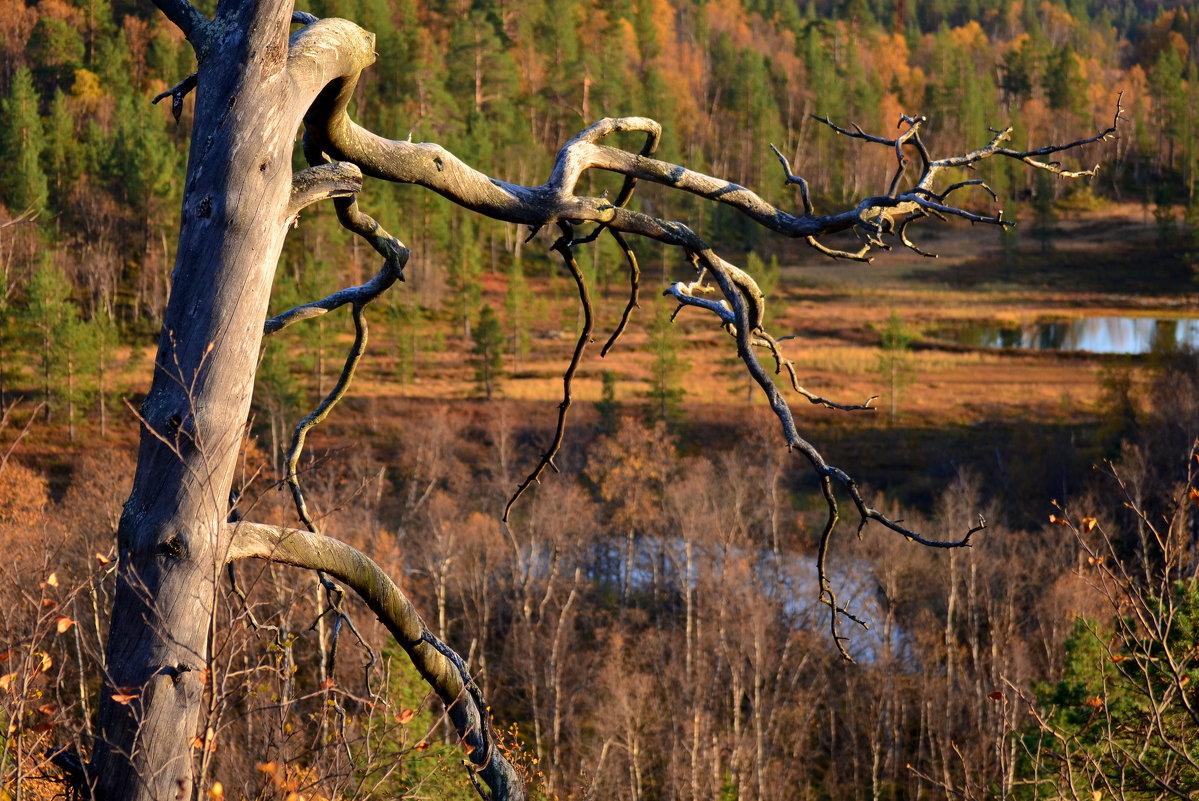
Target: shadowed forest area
[(649, 623)]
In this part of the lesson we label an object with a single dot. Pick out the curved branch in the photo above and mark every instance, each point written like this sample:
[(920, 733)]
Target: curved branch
[(336, 179), (331, 134), (437, 664)]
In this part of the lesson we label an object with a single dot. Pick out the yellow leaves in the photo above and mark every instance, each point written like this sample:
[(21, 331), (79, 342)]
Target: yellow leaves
[(62, 623), (1058, 521), (1117, 658), (87, 90), (1088, 525), (1193, 494), (217, 791), (124, 695), (423, 745), (269, 768), (47, 662), (52, 580), (103, 560), (6, 681)]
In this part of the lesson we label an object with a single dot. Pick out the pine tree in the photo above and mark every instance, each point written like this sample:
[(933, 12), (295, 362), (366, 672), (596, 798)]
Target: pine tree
[(488, 351), (516, 306), (22, 181), (666, 391), (48, 318), (62, 152)]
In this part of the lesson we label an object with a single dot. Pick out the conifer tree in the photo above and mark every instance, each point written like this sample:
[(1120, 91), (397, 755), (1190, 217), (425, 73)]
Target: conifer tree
[(516, 306), (488, 351), (61, 156), (666, 391), (22, 181), (48, 317)]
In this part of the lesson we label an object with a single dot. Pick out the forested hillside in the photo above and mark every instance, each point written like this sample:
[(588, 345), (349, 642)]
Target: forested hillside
[(649, 624), (504, 84)]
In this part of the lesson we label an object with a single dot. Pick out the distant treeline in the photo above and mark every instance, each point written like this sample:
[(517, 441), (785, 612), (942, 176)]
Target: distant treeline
[(504, 84)]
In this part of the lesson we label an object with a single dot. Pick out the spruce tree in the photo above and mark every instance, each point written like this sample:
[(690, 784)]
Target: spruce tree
[(488, 351), (22, 181)]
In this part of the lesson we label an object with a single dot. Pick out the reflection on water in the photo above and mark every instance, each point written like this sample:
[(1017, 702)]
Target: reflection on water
[(1090, 334)]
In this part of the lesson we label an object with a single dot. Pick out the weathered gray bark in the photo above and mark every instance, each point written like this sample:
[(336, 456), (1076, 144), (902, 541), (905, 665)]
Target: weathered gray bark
[(254, 86), (251, 96)]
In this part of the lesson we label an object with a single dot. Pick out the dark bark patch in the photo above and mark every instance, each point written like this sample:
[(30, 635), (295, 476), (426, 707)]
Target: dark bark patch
[(204, 207), (174, 547)]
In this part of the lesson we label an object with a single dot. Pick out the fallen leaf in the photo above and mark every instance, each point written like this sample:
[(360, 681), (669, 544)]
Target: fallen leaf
[(62, 623), (406, 715), (422, 745), (48, 709), (1118, 657), (123, 698), (195, 742), (328, 683), (6, 681), (102, 559), (49, 603), (52, 579), (1095, 702)]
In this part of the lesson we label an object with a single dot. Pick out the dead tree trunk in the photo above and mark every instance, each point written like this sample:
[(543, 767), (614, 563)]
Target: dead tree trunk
[(254, 86), (173, 538)]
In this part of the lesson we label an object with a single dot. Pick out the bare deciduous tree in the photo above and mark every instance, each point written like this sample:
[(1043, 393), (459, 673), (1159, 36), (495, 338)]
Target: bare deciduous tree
[(257, 83)]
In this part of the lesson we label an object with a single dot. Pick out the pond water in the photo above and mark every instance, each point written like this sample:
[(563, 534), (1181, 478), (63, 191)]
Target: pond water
[(1126, 335)]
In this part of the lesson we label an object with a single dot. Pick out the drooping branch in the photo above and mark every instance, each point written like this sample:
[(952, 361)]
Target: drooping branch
[(565, 247), (736, 299), (446, 674)]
